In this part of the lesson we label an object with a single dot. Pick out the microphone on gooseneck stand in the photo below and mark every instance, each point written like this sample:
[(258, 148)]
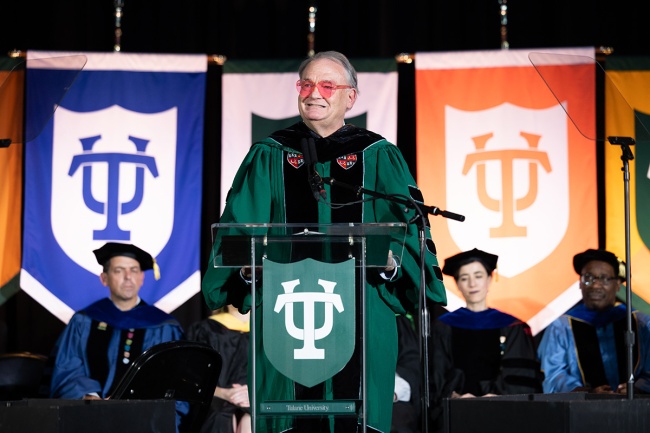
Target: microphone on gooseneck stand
[(316, 179), (313, 177)]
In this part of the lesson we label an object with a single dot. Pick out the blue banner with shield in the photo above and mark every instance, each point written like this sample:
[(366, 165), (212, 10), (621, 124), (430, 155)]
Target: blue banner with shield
[(119, 160)]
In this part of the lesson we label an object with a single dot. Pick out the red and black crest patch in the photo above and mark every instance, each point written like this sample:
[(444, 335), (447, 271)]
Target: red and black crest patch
[(295, 159), (347, 162)]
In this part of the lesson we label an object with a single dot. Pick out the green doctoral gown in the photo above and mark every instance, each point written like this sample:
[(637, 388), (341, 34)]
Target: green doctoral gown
[(271, 187)]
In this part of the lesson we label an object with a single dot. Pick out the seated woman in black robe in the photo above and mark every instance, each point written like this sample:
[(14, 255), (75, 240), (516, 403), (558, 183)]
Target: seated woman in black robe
[(476, 350)]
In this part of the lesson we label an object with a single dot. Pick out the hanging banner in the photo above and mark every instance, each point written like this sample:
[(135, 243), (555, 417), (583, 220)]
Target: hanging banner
[(117, 162), (627, 114), (495, 145), (260, 97), (12, 76)]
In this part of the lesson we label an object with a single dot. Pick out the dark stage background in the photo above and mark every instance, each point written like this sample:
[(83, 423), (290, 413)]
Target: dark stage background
[(257, 29), (360, 28)]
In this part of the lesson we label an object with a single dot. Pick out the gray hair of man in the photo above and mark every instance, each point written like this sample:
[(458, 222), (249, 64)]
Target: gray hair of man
[(338, 58)]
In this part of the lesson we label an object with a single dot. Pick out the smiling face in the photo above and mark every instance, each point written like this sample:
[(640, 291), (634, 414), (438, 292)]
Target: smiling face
[(473, 282), (599, 296), (325, 115)]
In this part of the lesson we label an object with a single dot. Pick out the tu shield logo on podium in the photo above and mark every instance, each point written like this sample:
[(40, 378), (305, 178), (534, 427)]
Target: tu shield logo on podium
[(309, 318)]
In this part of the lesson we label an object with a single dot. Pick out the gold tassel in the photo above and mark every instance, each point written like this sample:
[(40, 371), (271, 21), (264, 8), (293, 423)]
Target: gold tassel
[(622, 270), (156, 270)]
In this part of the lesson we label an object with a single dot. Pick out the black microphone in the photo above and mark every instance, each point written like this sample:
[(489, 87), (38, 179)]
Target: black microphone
[(317, 186), (313, 177), (433, 210)]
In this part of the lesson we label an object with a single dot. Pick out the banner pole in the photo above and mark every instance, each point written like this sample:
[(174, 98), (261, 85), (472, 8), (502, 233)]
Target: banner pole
[(503, 12), (119, 5), (311, 36)]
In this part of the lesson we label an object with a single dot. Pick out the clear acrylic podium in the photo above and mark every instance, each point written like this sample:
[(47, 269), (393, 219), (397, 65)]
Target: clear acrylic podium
[(311, 248)]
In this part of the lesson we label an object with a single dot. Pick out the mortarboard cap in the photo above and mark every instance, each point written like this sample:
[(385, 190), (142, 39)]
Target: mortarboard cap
[(113, 249), (581, 259), (454, 263)]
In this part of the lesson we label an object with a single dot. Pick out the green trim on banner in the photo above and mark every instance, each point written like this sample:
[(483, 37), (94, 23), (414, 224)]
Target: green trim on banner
[(637, 302), (11, 288), (375, 65), (260, 66), (8, 63), (628, 63), (280, 66)]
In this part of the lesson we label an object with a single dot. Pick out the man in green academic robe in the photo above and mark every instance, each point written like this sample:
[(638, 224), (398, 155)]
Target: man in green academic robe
[(271, 187)]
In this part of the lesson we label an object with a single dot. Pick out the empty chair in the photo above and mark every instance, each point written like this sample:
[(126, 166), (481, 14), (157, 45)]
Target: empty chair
[(175, 370), (21, 375)]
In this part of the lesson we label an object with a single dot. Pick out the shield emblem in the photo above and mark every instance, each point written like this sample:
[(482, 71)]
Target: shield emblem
[(507, 178), (309, 318), (113, 172)]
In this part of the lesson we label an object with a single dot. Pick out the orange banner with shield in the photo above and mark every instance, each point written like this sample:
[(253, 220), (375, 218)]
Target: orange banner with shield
[(11, 113), (495, 145)]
